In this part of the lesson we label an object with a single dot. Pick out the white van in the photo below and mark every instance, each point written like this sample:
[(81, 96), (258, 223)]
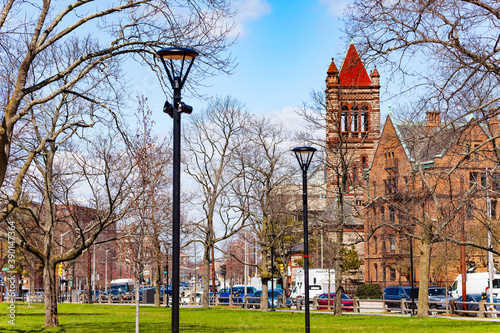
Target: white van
[(319, 281), (477, 283)]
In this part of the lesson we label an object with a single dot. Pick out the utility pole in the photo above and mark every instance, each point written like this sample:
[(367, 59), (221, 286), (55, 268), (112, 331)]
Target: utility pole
[(462, 252)]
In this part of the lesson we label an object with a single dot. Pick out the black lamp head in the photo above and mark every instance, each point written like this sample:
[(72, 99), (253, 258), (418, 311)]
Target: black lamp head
[(304, 156), (178, 54)]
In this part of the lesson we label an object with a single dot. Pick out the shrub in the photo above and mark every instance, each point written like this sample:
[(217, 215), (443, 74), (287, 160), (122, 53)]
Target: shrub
[(368, 291)]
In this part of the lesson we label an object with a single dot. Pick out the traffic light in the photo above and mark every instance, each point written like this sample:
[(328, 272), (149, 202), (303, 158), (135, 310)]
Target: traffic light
[(60, 269), (281, 267), (223, 269), (165, 269)]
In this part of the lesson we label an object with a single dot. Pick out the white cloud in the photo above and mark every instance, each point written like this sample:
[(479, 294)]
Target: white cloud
[(294, 122), (288, 117), (247, 11), (335, 7)]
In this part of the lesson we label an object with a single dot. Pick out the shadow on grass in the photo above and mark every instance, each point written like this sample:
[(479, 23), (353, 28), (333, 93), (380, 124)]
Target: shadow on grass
[(65, 314), (118, 327)]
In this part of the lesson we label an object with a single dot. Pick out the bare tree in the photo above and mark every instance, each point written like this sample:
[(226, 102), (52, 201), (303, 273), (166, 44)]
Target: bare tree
[(50, 174), (137, 247), (212, 139), (153, 207), (56, 48), (265, 172)]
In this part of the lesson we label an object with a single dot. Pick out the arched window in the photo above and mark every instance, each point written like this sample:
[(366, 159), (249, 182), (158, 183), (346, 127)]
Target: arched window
[(364, 118), (344, 119), (354, 119)]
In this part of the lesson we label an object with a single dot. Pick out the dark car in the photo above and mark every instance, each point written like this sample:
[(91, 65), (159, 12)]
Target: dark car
[(437, 299), (276, 293), (347, 302), (476, 298), (235, 291), (394, 295)]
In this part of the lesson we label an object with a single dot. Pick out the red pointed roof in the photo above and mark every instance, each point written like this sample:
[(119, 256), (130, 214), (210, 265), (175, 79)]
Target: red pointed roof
[(353, 72), (332, 70)]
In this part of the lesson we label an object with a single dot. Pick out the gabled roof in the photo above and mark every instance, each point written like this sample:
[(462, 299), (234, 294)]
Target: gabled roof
[(353, 72), (423, 144)]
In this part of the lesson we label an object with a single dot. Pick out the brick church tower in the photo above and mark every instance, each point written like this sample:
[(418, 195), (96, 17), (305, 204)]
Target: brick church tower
[(353, 123)]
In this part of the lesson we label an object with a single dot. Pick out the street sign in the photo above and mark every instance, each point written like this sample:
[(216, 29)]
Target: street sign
[(5, 269)]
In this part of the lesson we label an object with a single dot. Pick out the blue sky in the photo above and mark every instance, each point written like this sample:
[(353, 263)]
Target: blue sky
[(283, 51)]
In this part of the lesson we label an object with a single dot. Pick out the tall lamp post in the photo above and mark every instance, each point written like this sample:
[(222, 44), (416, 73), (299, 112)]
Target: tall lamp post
[(177, 79), (304, 156), (271, 238)]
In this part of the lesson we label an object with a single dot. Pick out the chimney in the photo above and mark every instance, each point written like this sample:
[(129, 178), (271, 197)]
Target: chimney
[(433, 119), (493, 123)]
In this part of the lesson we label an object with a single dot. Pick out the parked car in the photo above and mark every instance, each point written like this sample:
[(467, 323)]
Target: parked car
[(186, 299), (236, 291), (347, 302), (276, 293), (437, 299), (397, 293), (477, 298)]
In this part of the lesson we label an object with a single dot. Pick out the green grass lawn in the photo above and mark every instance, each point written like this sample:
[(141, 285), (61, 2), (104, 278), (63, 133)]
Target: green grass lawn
[(121, 318)]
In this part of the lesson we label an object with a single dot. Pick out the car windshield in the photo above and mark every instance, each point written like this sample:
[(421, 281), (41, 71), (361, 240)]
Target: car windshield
[(437, 292), (122, 288), (415, 292), (276, 292)]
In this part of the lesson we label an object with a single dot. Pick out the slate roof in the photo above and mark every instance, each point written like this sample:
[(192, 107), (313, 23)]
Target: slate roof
[(423, 144)]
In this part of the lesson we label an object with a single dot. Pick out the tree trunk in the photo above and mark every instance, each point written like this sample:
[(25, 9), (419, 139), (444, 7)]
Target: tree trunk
[(265, 295), (158, 283), (423, 290), (50, 294), (136, 286), (339, 270), (265, 277), (205, 299), (32, 285)]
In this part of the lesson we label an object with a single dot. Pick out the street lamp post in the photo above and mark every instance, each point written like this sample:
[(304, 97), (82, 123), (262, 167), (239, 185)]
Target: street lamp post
[(271, 237), (411, 279), (62, 235), (177, 80), (304, 156)]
